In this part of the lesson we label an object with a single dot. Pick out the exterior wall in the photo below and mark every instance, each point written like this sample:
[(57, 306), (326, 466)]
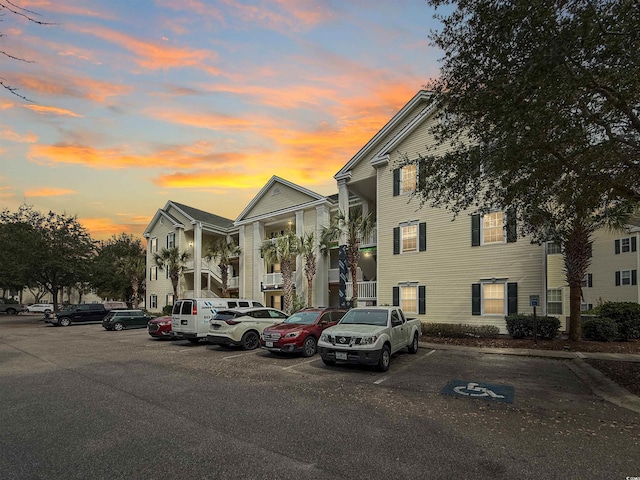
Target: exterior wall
[(605, 262), (278, 197), (162, 286)]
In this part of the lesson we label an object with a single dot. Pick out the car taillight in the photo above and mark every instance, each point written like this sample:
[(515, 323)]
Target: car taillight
[(231, 322), (194, 309)]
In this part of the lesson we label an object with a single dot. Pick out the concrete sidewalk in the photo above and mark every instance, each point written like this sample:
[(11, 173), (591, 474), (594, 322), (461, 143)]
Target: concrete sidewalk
[(599, 384)]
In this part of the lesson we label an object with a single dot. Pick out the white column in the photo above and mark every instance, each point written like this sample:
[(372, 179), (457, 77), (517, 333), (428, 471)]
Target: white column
[(321, 282), (241, 273), (300, 276), (258, 262), (343, 205), (197, 263)]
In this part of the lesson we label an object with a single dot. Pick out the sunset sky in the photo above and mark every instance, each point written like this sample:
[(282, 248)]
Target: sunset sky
[(137, 102)]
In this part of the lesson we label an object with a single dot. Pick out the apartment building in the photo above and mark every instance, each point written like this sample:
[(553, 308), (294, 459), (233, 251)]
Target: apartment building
[(474, 269)]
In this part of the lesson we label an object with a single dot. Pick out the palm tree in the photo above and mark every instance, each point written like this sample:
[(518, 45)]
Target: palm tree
[(308, 252), (174, 261), (134, 268), (283, 249), (222, 251), (353, 227)]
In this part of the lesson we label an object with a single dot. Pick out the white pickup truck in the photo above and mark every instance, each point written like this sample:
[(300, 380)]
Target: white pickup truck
[(369, 336)]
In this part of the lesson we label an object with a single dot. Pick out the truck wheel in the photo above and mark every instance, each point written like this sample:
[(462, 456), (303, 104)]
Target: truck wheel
[(385, 358), (250, 340), (64, 322), (11, 311), (309, 347), (413, 348), (118, 326)]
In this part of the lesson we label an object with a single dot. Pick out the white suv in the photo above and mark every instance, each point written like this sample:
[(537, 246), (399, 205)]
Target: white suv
[(40, 308), (242, 326)]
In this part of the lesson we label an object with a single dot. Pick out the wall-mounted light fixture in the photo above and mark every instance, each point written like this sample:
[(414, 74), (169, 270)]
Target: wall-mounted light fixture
[(191, 244)]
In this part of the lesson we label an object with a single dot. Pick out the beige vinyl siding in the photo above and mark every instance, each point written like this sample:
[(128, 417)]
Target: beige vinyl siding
[(278, 197), (556, 277), (604, 264), (246, 276), (450, 265), (162, 286)]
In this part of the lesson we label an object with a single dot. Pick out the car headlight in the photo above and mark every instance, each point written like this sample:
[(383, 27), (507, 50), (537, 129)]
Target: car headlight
[(164, 324), (325, 338), (368, 340), (292, 334)]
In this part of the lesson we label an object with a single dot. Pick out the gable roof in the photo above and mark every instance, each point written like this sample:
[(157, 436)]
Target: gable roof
[(313, 196), (193, 214), (398, 118)]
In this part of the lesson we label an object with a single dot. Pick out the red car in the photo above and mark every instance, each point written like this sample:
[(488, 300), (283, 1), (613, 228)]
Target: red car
[(160, 327), (300, 332)]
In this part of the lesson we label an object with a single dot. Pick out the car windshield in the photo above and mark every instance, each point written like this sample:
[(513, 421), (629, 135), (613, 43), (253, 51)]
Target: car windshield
[(303, 318), (365, 317)]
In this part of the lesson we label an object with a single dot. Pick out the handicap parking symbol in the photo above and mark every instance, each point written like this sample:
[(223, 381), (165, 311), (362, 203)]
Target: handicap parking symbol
[(462, 388)]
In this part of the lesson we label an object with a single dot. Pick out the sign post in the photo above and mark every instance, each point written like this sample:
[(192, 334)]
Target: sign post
[(534, 300)]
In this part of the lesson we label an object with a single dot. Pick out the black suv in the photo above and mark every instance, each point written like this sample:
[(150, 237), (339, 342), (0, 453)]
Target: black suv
[(88, 312)]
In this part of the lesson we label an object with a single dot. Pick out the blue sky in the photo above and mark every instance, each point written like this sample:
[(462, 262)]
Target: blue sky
[(138, 102)]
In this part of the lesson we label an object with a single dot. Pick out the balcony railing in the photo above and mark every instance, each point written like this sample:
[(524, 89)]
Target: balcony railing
[(366, 290), (334, 275)]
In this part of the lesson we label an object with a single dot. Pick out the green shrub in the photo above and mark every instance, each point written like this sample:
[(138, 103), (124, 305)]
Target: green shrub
[(167, 309), (521, 326), (601, 329), (458, 330), (626, 315)]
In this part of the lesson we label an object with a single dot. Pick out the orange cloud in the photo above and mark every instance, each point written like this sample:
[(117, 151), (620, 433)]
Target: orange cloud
[(52, 110), (156, 56), (76, 87), (292, 14), (193, 6), (5, 192), (65, 8), (49, 192), (9, 134), (104, 228), (211, 121)]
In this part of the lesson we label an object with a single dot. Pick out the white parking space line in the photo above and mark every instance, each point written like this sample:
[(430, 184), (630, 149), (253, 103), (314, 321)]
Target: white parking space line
[(298, 364), (380, 380), (239, 355), (430, 353)]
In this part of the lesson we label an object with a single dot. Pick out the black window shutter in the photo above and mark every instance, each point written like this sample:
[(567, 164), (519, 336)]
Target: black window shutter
[(475, 299), (423, 236), (512, 229), (422, 175), (396, 240), (617, 279), (634, 241), (422, 299), (512, 298), (396, 296), (475, 230), (634, 277), (617, 243), (396, 182), (589, 280)]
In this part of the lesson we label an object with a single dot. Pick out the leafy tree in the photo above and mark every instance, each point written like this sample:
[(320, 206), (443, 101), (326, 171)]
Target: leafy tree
[(540, 105), (60, 248), (222, 251), (308, 250), (119, 268), (353, 227), (283, 250), (174, 261)]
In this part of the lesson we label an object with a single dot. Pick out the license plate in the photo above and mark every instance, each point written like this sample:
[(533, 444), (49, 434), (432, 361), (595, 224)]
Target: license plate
[(268, 344), (341, 355)]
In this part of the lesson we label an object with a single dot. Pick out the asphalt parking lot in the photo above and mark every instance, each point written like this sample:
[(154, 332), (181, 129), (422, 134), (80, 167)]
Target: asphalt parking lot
[(82, 402)]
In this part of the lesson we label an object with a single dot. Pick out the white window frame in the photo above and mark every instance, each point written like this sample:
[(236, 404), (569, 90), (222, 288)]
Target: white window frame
[(483, 228), (404, 302), (153, 244), (554, 301), (169, 299), (171, 240), (625, 280), (408, 178), (484, 298), (625, 245), (154, 273), (153, 301), (403, 236)]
